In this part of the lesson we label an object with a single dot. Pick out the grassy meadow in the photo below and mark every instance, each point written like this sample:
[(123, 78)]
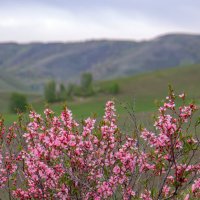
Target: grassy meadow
[(140, 92)]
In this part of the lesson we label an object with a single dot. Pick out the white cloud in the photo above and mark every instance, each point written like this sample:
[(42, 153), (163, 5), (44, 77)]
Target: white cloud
[(45, 23)]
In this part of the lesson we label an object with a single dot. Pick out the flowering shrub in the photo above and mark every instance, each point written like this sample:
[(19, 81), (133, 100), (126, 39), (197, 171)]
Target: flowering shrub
[(56, 158)]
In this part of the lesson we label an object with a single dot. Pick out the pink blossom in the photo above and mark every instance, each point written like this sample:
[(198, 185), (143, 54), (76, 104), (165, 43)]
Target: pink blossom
[(59, 159)]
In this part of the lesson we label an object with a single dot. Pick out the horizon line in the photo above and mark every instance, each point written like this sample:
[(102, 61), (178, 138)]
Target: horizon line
[(99, 39)]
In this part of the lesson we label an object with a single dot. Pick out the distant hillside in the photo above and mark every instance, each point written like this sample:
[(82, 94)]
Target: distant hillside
[(36, 62), (140, 91), (9, 83)]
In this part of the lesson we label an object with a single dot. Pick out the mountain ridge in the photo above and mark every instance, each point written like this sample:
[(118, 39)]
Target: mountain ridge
[(35, 63)]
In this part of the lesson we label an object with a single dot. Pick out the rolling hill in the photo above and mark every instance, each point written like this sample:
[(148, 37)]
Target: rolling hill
[(35, 63), (139, 91), (10, 83)]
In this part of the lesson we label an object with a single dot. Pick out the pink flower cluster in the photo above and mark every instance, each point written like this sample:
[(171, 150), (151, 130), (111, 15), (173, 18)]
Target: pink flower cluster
[(56, 158)]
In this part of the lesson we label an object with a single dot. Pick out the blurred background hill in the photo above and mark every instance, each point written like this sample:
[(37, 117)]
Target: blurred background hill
[(28, 66)]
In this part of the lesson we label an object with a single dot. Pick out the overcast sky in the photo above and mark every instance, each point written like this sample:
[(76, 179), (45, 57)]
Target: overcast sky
[(71, 20)]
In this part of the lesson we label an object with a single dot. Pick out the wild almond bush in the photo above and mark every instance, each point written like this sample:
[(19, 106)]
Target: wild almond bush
[(56, 158)]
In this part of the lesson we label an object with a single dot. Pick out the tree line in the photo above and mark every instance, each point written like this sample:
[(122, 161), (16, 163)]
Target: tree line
[(57, 92), (86, 88)]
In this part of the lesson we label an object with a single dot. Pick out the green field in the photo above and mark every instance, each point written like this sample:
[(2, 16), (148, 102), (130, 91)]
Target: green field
[(139, 92)]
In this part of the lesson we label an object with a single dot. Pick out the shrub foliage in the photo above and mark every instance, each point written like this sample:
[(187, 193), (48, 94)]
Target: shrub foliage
[(50, 92), (56, 158), (18, 102)]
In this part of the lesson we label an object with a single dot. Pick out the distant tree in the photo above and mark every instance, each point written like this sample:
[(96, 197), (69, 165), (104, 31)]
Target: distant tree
[(114, 88), (18, 102), (71, 90), (62, 88), (86, 80), (86, 85), (110, 88), (50, 92), (62, 94)]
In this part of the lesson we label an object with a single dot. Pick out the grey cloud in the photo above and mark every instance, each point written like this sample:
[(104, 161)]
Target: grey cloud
[(106, 16)]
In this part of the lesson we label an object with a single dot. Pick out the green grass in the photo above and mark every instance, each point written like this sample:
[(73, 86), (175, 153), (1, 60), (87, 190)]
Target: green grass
[(141, 92)]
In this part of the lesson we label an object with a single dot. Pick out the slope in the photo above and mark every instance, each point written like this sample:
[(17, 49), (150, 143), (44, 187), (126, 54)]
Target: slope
[(139, 91), (35, 63)]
